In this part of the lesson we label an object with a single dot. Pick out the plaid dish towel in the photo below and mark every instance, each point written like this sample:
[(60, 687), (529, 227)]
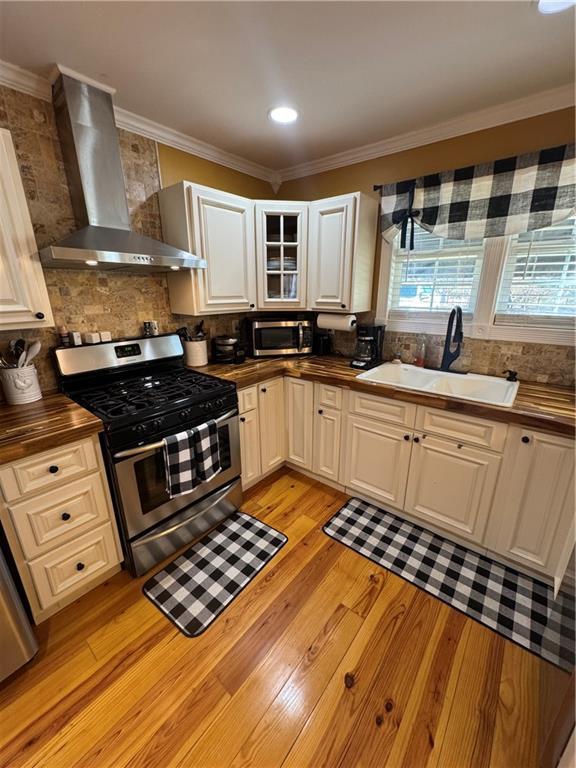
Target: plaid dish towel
[(191, 457)]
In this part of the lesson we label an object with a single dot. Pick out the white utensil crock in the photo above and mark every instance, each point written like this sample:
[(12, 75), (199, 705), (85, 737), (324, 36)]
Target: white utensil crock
[(196, 353), (20, 385)]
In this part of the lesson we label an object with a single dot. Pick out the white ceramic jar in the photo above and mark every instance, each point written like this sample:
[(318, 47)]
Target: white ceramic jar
[(20, 385)]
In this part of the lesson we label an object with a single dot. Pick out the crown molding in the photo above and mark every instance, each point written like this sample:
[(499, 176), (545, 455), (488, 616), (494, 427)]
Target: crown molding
[(519, 109), (20, 79), (164, 135)]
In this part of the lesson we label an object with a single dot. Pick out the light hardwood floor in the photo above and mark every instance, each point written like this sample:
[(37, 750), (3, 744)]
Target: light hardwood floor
[(324, 660)]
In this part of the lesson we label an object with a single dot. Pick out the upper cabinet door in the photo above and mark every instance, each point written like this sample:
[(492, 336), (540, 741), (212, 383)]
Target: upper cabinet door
[(281, 254), (331, 250), (224, 236), (219, 227), (24, 299)]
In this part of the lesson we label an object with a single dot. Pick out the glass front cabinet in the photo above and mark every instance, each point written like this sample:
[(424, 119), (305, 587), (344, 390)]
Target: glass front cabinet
[(281, 251)]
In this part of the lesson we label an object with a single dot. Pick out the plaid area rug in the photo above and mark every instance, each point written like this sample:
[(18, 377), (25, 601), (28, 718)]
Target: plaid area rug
[(518, 607), (194, 589)]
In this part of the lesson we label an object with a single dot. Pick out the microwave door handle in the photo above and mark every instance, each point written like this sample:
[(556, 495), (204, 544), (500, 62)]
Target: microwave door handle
[(154, 446), (300, 337)]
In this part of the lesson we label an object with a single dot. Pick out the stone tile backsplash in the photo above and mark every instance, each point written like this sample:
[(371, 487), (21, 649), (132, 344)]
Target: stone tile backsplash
[(98, 300)]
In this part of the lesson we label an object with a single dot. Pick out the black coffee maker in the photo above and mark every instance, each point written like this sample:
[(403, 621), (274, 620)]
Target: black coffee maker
[(369, 341)]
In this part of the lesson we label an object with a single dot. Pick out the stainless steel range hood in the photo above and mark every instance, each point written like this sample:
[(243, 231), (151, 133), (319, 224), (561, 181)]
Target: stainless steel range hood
[(104, 240)]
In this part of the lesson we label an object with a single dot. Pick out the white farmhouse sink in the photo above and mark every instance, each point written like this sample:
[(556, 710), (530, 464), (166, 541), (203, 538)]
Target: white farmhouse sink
[(470, 386)]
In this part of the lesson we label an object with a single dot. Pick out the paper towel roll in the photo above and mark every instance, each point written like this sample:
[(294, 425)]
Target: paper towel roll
[(337, 322)]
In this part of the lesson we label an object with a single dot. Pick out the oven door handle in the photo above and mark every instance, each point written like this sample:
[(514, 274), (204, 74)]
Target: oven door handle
[(154, 446), (159, 534)]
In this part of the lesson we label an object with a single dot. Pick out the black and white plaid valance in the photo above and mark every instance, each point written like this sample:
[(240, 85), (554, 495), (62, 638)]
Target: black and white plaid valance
[(505, 197)]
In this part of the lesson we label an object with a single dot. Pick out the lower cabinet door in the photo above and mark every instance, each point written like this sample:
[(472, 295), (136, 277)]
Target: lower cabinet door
[(451, 486), (532, 520), (327, 431), (272, 424), (299, 396), (250, 446), (377, 459)]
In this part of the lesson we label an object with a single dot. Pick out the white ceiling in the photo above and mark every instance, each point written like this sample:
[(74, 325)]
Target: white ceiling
[(359, 72)]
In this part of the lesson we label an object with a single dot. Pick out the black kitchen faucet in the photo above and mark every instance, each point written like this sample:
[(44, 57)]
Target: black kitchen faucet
[(450, 356)]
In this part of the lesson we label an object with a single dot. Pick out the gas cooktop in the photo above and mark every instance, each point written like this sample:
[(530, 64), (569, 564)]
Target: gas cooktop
[(144, 395)]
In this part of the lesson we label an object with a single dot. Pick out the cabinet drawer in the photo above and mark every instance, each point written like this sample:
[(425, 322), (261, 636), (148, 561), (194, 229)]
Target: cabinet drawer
[(457, 426), (47, 469), (62, 514), (393, 411), (247, 399), (67, 568), (328, 396)]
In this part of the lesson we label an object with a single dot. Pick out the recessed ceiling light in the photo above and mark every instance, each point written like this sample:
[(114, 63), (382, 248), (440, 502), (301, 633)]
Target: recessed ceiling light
[(283, 115), (555, 6), (91, 263)]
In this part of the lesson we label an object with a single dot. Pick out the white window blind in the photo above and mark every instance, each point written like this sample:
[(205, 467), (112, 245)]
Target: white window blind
[(434, 276), (538, 285)]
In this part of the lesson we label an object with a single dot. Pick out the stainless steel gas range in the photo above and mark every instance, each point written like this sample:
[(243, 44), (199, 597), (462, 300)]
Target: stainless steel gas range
[(142, 392)]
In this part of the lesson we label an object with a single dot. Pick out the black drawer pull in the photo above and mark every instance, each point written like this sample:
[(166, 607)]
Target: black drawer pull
[(53, 469), (40, 315), (406, 437), (242, 419), (416, 439), (66, 515), (252, 306), (80, 566), (343, 306), (263, 389), (525, 439), (320, 411), (460, 446)]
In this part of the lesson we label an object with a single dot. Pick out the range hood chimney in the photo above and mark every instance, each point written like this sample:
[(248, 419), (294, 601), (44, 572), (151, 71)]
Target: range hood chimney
[(89, 140)]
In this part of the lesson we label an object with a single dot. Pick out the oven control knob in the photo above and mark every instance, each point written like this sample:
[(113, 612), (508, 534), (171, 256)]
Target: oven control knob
[(157, 423), (185, 414), (140, 428), (218, 403)]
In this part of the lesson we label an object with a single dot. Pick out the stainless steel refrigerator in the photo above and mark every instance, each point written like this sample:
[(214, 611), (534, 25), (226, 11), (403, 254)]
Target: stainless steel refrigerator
[(17, 641)]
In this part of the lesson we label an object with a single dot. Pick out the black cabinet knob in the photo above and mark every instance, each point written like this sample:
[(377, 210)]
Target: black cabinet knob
[(263, 389), (242, 419), (416, 439), (40, 315), (406, 437), (525, 439), (80, 566), (460, 446), (320, 411), (53, 469), (65, 515), (343, 306), (252, 306)]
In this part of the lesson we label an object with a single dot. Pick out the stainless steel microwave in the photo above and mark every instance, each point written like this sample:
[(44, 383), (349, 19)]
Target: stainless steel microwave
[(280, 337)]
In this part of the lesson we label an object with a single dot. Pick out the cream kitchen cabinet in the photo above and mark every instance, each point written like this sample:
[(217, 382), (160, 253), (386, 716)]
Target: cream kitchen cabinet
[(281, 254), (250, 446), (377, 459), (262, 429), (451, 486), (341, 250), (532, 520), (272, 424), (57, 515), (327, 437), (219, 227), (24, 301), (299, 396)]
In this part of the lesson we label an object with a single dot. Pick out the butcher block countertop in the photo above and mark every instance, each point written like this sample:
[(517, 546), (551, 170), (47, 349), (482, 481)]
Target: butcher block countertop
[(34, 427), (538, 406)]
